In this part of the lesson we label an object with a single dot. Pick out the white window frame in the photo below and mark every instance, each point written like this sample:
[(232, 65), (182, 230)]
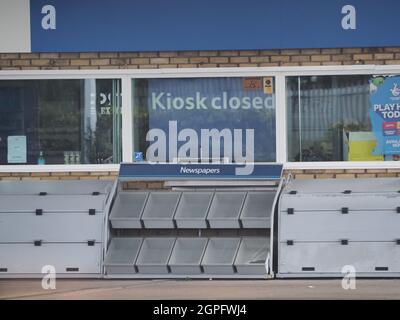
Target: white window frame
[(127, 75)]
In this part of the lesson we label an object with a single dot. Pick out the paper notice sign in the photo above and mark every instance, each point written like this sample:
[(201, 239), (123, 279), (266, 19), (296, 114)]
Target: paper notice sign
[(268, 85), (252, 83), (16, 149)]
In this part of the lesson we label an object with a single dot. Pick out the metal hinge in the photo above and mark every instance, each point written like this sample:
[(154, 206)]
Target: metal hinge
[(37, 243)]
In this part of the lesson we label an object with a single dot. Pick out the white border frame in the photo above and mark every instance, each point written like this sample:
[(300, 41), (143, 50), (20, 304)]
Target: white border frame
[(126, 75)]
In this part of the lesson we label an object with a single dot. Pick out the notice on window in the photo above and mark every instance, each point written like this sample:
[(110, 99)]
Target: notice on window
[(252, 83), (16, 146), (268, 84), (361, 147), (385, 114)]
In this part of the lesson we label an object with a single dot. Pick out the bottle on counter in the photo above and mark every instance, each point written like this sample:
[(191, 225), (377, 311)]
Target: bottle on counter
[(41, 158)]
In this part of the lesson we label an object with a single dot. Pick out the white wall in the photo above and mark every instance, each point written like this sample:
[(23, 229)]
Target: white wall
[(15, 26)]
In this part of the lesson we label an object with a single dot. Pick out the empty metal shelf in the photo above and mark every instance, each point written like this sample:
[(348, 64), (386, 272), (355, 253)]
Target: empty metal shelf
[(327, 259), (154, 255), (59, 223), (67, 258), (220, 255), (186, 255), (51, 203), (17, 227), (192, 209), (252, 255), (321, 202), (257, 208), (225, 209), (127, 210), (55, 187), (121, 255), (381, 185), (160, 209)]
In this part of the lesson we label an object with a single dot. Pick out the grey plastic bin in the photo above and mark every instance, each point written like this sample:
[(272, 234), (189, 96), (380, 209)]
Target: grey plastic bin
[(251, 256), (225, 210), (127, 210), (192, 209), (257, 208), (121, 255), (160, 209), (220, 255), (186, 256), (154, 255)]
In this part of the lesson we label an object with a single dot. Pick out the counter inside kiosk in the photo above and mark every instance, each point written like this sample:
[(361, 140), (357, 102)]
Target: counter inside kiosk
[(201, 221)]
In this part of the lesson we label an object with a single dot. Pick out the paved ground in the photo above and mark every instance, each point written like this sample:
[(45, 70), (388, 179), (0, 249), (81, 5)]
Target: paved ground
[(200, 289)]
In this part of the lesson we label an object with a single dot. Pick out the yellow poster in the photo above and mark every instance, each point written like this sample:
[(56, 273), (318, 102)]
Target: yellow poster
[(361, 146)]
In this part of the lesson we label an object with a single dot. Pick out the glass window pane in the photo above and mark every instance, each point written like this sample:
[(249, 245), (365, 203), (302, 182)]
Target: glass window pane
[(329, 119), (204, 119), (74, 121)]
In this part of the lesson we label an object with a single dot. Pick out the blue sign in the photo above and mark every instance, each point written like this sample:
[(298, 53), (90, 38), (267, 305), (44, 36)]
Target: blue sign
[(234, 115), (138, 156), (385, 114), (164, 25), (202, 171)]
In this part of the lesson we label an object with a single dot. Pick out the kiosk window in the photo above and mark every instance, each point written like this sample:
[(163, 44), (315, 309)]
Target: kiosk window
[(204, 119), (342, 118), (60, 121)]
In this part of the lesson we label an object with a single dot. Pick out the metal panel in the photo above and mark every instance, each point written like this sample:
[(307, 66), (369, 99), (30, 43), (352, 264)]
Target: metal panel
[(186, 255), (333, 226), (127, 210), (160, 209), (252, 255), (154, 255), (51, 203), (335, 202), (220, 255), (331, 257), (67, 258), (225, 209), (50, 227), (121, 255), (257, 208), (381, 185), (192, 209), (55, 187)]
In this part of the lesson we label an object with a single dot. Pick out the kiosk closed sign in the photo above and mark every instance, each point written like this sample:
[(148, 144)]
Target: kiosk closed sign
[(229, 119)]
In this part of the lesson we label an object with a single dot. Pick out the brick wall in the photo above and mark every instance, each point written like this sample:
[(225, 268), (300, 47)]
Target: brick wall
[(199, 59), (112, 175), (94, 175), (343, 173)]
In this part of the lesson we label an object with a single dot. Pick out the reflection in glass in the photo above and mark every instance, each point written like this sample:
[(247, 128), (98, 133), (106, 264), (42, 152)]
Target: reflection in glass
[(193, 106), (74, 121), (321, 113)]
